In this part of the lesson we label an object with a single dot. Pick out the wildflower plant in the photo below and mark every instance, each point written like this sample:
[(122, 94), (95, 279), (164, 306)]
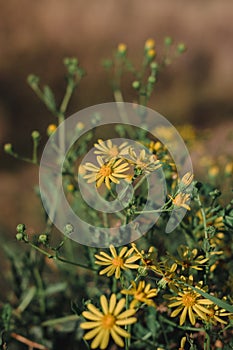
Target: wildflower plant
[(155, 289)]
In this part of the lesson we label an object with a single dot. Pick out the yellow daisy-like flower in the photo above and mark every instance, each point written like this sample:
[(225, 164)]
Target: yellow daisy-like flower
[(117, 262), (106, 172), (190, 258), (108, 322), (107, 150), (181, 200), (141, 293), (216, 315), (145, 162), (191, 302)]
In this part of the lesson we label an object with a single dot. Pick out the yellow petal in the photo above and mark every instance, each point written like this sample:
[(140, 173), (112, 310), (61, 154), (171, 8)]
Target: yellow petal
[(121, 331), (113, 251), (191, 316), (89, 325), (117, 339), (119, 307), (96, 342), (112, 303), (94, 310), (126, 313), (183, 315), (91, 334), (130, 320), (104, 304), (90, 316), (105, 340)]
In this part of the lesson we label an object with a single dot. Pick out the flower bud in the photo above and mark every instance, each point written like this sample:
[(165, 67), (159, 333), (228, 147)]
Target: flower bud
[(151, 54), (68, 229), (33, 81), (70, 187), (213, 171), (168, 40), (136, 84), (35, 135), (50, 129), (181, 48), (43, 238), (19, 236), (8, 148), (229, 169), (151, 79), (20, 228), (122, 49), (149, 44), (80, 126)]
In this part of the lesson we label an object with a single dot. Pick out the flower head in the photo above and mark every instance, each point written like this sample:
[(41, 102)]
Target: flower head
[(108, 172), (146, 163), (216, 314), (189, 258), (141, 293), (107, 322), (107, 150), (191, 302), (180, 200), (117, 262)]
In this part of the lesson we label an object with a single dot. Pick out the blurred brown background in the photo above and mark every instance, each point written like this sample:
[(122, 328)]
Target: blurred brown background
[(36, 35)]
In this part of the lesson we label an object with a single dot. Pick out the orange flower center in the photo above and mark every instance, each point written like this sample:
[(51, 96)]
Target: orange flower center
[(139, 296), (105, 170), (108, 321), (118, 261), (188, 299)]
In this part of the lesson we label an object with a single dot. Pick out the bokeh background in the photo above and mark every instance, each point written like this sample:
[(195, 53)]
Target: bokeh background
[(35, 36)]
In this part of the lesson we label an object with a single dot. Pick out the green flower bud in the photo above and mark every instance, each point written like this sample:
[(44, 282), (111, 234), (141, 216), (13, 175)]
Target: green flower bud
[(168, 40), (20, 228), (68, 229), (35, 135), (154, 65), (136, 84), (142, 271), (181, 48), (151, 79), (33, 81), (8, 148), (19, 236), (43, 238)]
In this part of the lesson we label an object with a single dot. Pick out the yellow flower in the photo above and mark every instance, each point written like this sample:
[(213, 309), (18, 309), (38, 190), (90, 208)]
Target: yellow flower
[(51, 128), (106, 172), (189, 258), (215, 314), (151, 54), (181, 200), (149, 44), (107, 150), (187, 179), (141, 293), (189, 301), (122, 48), (145, 162), (148, 259), (108, 322), (117, 262)]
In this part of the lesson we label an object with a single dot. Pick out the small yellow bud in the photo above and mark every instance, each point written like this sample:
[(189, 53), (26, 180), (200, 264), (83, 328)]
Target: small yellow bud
[(51, 128), (151, 54), (149, 44), (8, 148), (213, 171), (79, 126), (229, 169), (70, 187), (122, 48)]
